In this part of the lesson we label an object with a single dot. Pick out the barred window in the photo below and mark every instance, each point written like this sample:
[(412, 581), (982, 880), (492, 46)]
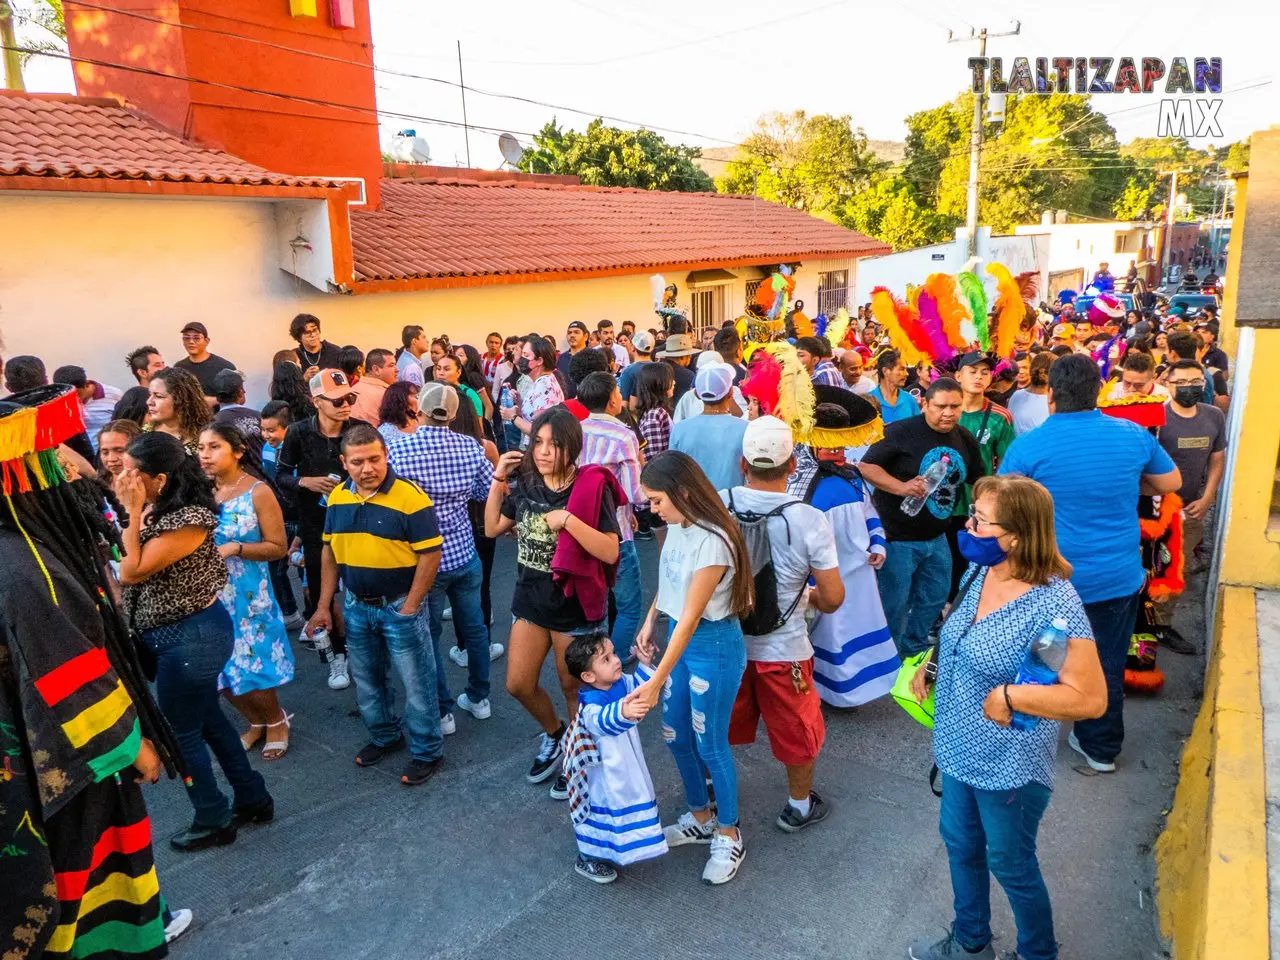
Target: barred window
[(833, 291), (753, 288), (708, 307)]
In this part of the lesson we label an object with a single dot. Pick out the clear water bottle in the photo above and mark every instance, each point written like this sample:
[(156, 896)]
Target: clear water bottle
[(1044, 659), (933, 478), (324, 646), (506, 400)]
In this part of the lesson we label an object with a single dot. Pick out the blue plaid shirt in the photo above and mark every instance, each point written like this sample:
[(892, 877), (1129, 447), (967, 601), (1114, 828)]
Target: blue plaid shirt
[(453, 470)]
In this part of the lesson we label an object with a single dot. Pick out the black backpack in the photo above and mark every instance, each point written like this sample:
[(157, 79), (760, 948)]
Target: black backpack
[(765, 616)]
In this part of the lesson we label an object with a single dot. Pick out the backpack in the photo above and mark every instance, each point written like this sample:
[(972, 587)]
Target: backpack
[(766, 616)]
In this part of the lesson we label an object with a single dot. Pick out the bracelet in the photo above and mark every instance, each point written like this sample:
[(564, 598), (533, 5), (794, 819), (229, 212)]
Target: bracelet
[(1007, 702), (239, 549)]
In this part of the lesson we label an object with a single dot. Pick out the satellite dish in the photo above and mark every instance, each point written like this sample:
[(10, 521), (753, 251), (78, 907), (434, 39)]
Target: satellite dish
[(511, 149), (408, 147)]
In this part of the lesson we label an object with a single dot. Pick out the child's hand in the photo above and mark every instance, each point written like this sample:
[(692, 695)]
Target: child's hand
[(634, 708)]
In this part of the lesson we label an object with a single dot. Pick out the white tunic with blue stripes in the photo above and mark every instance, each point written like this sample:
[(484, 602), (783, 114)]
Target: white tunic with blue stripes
[(855, 660), (623, 826)]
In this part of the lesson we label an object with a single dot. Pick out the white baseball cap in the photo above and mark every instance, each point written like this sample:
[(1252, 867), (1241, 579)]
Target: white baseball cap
[(713, 381), (642, 341), (767, 443)]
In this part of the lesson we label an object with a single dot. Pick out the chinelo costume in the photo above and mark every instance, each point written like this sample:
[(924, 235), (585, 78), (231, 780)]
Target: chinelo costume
[(79, 878)]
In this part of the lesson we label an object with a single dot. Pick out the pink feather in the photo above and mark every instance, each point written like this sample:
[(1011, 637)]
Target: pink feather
[(764, 381), (931, 322)]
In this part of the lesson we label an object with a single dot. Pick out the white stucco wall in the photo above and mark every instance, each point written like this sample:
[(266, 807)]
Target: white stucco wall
[(84, 279), (1084, 245)]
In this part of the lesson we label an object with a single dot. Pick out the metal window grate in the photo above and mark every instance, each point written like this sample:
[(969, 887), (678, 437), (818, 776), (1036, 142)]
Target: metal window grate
[(833, 291), (708, 307)]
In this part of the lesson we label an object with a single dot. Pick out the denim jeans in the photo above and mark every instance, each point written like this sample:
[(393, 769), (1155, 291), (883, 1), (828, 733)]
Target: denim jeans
[(995, 831), (627, 595), (189, 656), (282, 587), (1112, 622), (696, 707), (914, 583), (460, 588), (379, 638)]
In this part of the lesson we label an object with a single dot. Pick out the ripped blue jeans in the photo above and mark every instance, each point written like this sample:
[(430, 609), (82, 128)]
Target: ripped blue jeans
[(696, 707)]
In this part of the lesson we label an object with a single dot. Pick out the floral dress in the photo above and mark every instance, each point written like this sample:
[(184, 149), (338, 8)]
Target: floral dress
[(261, 658)]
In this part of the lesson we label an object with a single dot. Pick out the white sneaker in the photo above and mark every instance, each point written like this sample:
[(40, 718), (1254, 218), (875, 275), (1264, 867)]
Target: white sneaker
[(458, 656), (339, 679), (295, 621), (496, 650), (688, 830), (726, 856), (448, 726), (448, 614), (177, 925), (1098, 765), (479, 710)]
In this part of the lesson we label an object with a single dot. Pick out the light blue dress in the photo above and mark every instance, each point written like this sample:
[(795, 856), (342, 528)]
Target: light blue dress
[(261, 658)]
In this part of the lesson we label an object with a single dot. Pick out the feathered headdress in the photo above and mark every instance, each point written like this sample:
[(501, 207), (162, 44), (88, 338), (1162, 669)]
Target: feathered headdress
[(800, 322), (34, 423), (664, 299), (1014, 298), (774, 296), (902, 325), (841, 419), (836, 330), (975, 295), (780, 382)]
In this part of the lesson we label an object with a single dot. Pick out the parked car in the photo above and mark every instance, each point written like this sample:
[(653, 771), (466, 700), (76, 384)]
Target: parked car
[(1192, 303)]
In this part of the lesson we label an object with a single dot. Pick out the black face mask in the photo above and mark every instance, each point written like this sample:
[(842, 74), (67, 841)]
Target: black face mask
[(1188, 396), (523, 365)]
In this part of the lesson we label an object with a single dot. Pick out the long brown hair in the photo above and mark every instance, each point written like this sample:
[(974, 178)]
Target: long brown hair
[(678, 477), (188, 401), (1026, 511)]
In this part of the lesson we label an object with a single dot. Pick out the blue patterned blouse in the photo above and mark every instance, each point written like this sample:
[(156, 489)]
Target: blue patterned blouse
[(974, 658)]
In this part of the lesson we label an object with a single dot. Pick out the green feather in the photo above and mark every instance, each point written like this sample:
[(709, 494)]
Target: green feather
[(971, 288)]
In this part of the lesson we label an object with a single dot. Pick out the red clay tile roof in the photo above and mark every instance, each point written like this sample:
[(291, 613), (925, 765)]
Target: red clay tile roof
[(59, 136), (454, 228)]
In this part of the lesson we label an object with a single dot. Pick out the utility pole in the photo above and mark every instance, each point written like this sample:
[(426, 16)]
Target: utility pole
[(466, 132), (9, 40), (975, 135), (1168, 229)]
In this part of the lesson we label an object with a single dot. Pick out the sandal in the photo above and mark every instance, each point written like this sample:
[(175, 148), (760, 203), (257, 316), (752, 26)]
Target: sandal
[(253, 738), (275, 749)]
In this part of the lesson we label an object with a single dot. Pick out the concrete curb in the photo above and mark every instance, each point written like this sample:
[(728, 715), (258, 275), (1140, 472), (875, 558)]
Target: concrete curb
[(1211, 860)]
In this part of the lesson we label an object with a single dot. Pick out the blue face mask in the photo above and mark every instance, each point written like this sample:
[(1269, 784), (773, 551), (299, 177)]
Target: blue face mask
[(984, 551)]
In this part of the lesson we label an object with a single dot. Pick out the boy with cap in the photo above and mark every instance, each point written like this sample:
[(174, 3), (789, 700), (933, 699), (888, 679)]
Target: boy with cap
[(576, 337), (643, 344), (714, 437), (778, 682), (199, 361), (307, 471), (690, 404)]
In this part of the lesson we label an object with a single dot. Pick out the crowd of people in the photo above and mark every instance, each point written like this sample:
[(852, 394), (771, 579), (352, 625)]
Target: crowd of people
[(924, 513)]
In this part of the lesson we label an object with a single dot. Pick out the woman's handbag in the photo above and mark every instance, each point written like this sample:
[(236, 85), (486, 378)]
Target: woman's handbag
[(922, 712)]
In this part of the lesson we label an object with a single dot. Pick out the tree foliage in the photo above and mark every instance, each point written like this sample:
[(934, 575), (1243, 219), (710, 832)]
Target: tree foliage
[(612, 157), (51, 28), (813, 163)]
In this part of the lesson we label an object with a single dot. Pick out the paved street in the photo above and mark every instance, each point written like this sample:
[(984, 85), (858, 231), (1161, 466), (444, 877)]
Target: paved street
[(478, 863)]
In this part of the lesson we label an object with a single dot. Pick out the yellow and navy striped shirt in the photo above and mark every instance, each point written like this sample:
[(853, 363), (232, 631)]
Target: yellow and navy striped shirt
[(376, 540)]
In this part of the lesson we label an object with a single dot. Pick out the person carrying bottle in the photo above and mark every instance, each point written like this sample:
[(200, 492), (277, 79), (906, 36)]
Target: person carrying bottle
[(997, 778), (918, 471)]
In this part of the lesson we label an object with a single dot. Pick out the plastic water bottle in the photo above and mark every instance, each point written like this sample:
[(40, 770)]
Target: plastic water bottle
[(933, 478), (1045, 657), (324, 646), (506, 400)]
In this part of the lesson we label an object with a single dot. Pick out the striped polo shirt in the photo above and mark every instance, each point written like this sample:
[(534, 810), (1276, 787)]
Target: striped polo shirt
[(376, 540)]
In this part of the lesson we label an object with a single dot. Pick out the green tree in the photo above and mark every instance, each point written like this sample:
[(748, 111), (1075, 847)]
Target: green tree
[(611, 157), (891, 211), (813, 163), (1234, 157), (51, 28)]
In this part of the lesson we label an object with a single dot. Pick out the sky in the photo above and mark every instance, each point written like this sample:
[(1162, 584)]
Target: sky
[(702, 71)]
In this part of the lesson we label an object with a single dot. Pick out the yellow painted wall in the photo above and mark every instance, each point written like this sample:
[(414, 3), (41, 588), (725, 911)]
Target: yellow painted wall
[(85, 279)]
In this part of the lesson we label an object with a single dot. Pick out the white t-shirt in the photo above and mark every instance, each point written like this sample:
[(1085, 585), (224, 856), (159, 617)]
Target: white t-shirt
[(686, 551), (620, 354), (801, 540), (1028, 410), (864, 385)]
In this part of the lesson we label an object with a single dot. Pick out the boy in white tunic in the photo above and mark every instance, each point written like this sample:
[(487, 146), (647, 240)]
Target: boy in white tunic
[(611, 799)]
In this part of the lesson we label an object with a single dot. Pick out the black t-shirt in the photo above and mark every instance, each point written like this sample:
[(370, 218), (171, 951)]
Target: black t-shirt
[(908, 449), (1216, 357), (206, 370), (684, 380), (329, 358), (538, 598), (566, 382), (306, 452)]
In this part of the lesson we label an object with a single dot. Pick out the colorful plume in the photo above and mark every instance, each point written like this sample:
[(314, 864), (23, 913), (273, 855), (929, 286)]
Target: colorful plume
[(1008, 312), (953, 311), (763, 380), (975, 296), (837, 329), (895, 316), (931, 322), (796, 397)]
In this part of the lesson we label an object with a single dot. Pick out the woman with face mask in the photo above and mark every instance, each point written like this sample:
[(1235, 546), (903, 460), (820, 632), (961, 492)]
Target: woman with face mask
[(537, 362), (997, 768)]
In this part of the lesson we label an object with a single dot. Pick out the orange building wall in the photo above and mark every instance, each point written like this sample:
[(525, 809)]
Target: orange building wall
[(336, 136)]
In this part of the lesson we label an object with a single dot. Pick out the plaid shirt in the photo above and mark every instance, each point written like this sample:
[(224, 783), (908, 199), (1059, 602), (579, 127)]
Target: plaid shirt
[(655, 431), (452, 469), (826, 373), (608, 442)]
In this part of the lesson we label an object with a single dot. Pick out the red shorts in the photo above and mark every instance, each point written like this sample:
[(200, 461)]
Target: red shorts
[(793, 719)]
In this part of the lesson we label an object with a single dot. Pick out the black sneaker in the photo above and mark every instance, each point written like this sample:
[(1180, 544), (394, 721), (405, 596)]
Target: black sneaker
[(196, 837), (371, 754), (597, 871), (264, 812), (560, 789), (549, 755), (792, 821), (420, 771)]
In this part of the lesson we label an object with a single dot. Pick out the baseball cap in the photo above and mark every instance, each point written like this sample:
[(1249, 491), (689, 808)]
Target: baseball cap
[(438, 401), (767, 442), (580, 326), (196, 327), (975, 357), (1064, 331), (713, 381), (229, 381), (709, 358), (642, 341), (330, 384)]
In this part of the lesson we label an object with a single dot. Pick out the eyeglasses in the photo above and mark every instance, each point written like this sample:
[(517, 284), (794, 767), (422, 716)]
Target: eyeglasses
[(192, 337), (348, 400), (981, 521), (1198, 384)]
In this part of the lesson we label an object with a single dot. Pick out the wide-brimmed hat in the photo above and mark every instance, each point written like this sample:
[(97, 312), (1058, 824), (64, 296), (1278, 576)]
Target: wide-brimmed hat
[(842, 418), (679, 345)]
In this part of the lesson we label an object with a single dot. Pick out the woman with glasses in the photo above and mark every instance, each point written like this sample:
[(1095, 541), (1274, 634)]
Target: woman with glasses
[(997, 777)]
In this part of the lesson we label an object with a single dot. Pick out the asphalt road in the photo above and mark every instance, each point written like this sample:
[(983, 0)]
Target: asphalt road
[(478, 863)]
